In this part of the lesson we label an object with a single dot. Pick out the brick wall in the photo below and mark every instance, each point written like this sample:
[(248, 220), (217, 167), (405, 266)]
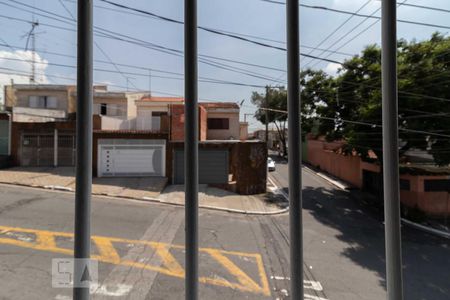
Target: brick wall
[(177, 123)]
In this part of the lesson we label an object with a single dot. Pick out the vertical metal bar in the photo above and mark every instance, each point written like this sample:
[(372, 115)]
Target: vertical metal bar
[(294, 148), (191, 147), (266, 113), (55, 147), (390, 151), (82, 245), (9, 129)]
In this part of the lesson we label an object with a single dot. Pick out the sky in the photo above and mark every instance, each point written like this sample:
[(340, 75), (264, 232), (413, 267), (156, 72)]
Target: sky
[(250, 17)]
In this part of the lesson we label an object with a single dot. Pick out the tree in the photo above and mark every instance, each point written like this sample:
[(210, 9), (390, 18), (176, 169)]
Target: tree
[(354, 97), (276, 100)]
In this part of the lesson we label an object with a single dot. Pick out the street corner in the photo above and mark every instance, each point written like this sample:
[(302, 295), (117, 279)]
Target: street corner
[(241, 272)]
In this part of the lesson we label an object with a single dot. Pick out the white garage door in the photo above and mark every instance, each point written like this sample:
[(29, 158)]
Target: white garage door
[(131, 158)]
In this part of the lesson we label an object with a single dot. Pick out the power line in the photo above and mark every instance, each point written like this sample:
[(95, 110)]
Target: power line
[(201, 79), (338, 28), (211, 30), (155, 47), (242, 34), (97, 45), (115, 35), (373, 125), (360, 15), (426, 7), (360, 33)]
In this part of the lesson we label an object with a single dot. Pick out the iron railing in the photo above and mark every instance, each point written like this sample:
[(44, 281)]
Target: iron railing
[(390, 143)]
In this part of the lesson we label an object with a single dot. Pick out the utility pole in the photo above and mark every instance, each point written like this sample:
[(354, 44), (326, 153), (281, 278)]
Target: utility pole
[(33, 53), (150, 81), (245, 116), (393, 237), (32, 36)]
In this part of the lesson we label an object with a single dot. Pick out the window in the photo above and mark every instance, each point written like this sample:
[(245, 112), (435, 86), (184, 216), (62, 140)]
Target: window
[(218, 123), (437, 185), (103, 109), (43, 102), (159, 113), (405, 184)]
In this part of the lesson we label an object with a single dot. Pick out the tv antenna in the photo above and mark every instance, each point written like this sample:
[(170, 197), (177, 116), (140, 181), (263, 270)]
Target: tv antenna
[(31, 35)]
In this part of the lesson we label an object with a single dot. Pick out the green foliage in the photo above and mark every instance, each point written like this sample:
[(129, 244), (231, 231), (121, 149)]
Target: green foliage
[(276, 100), (423, 72)]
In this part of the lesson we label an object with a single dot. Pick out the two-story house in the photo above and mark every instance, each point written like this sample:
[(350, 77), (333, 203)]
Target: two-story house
[(39, 103)]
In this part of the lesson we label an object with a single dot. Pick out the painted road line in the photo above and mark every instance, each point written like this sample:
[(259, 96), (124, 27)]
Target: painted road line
[(276, 189), (163, 229), (46, 241)]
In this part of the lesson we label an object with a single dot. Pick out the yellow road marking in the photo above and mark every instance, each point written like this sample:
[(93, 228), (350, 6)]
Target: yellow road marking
[(106, 250), (45, 241)]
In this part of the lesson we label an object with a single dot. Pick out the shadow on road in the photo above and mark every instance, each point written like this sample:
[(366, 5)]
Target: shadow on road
[(426, 258)]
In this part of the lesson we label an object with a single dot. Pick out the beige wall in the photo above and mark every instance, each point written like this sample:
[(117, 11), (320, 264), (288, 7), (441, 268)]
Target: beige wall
[(223, 134), (72, 102), (243, 134), (20, 98), (131, 103), (9, 98), (122, 103)]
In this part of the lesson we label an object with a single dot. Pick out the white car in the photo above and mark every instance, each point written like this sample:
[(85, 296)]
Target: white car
[(270, 164)]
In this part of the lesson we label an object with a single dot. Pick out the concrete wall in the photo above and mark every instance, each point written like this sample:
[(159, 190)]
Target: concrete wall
[(131, 103), (120, 103), (38, 115), (243, 131), (350, 169), (232, 133)]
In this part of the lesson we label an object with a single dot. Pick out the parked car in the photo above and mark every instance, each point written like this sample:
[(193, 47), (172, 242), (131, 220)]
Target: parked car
[(270, 164)]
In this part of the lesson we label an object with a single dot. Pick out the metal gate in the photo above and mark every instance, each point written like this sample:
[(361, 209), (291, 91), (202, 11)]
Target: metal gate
[(66, 149), (213, 166), (37, 150), (131, 157)]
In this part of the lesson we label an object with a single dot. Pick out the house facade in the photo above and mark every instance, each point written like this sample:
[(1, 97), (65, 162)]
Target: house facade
[(134, 134)]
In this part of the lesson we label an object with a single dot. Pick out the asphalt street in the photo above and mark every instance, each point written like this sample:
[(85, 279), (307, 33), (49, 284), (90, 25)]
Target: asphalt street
[(344, 245), (139, 247)]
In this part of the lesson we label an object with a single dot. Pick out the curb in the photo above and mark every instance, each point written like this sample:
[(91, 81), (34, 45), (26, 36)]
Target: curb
[(156, 200), (327, 178), (426, 229), (58, 188), (218, 208), (409, 223)]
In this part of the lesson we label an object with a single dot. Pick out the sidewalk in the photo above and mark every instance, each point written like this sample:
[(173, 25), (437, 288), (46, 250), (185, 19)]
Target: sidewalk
[(63, 178), (429, 225), (218, 199), (148, 189)]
